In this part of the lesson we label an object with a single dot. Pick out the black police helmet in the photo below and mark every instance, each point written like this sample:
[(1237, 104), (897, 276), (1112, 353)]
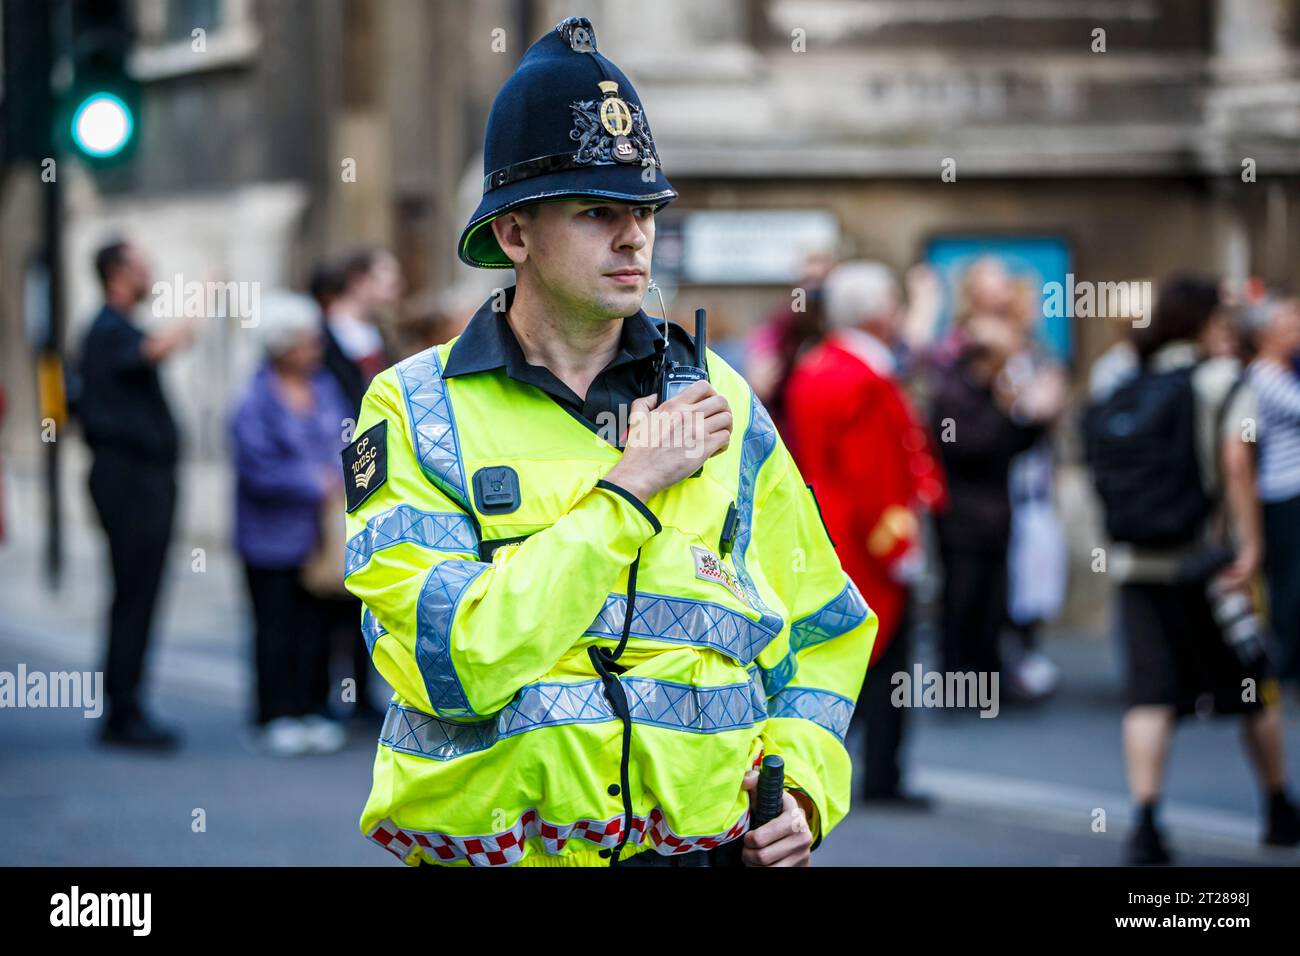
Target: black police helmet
[(566, 124)]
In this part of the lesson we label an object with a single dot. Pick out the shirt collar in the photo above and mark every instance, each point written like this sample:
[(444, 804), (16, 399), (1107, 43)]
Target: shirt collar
[(488, 343), (1179, 353), (869, 348), (118, 314)]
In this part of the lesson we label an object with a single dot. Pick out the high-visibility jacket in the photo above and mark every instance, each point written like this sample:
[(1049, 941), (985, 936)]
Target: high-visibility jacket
[(503, 742)]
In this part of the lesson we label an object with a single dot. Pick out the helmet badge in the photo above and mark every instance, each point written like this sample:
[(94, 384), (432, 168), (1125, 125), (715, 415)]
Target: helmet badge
[(617, 120)]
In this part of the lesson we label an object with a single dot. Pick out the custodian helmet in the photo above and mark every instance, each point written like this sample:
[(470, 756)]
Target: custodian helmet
[(567, 123)]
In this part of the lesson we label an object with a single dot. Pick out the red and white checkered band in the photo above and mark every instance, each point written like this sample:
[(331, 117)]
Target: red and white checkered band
[(503, 849)]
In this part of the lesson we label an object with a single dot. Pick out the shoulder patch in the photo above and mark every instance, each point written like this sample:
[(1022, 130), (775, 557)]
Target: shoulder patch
[(709, 567), (365, 464)]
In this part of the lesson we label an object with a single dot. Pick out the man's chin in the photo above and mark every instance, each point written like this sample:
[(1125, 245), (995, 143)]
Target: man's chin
[(620, 302)]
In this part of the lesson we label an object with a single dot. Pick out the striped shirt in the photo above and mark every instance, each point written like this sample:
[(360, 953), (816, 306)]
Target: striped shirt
[(1278, 392)]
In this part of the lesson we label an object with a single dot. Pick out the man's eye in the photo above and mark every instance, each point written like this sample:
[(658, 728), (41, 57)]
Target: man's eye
[(645, 212), (596, 212)]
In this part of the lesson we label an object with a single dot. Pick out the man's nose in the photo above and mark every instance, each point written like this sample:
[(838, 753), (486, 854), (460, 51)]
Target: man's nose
[(630, 233)]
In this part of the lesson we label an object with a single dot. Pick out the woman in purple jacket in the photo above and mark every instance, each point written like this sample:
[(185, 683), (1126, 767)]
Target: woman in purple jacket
[(287, 435)]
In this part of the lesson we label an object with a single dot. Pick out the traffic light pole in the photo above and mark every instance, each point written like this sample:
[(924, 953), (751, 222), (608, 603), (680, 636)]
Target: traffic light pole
[(51, 364), (50, 360)]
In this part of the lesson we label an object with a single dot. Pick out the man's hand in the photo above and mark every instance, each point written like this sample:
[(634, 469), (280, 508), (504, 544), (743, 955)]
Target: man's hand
[(785, 841), (665, 444), (160, 344), (1238, 575)]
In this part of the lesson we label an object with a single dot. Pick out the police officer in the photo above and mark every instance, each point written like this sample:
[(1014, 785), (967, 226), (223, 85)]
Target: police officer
[(598, 610)]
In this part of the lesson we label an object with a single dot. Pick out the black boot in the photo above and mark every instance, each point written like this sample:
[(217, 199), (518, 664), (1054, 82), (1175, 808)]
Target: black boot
[(1283, 820), (1146, 845), (136, 730)]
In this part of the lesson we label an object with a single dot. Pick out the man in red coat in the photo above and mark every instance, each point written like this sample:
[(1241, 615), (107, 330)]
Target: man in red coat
[(862, 448)]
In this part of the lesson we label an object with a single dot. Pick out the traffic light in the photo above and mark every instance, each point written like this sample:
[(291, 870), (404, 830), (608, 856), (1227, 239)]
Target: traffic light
[(101, 106), (28, 104)]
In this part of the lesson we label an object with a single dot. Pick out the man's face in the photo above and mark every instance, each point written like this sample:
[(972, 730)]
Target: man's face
[(135, 274), (592, 255), (887, 324), (385, 285)]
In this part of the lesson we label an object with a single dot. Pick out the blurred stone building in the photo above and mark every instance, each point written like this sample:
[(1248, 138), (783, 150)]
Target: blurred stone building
[(841, 115)]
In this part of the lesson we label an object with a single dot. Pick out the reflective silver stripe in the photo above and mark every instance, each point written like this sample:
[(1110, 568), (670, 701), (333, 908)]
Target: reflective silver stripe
[(758, 444), (434, 614), (371, 630), (823, 707), (439, 530), (433, 426), (659, 617), (701, 710), (837, 616)]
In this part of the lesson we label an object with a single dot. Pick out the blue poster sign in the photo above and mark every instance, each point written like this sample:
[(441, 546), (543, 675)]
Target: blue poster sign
[(1033, 261)]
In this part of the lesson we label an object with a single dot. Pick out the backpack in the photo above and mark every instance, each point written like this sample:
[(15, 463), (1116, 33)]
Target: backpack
[(1140, 442)]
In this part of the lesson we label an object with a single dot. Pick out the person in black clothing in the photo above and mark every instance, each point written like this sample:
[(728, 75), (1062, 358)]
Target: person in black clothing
[(349, 291), (134, 445), (980, 425)]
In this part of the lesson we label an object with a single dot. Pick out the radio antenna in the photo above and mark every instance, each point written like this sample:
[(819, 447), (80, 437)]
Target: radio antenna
[(699, 338)]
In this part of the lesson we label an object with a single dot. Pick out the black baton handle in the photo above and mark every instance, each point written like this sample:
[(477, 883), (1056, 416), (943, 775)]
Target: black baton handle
[(771, 791)]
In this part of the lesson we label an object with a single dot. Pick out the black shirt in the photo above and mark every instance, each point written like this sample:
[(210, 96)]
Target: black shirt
[(489, 343), (977, 462), (121, 404), (346, 372)]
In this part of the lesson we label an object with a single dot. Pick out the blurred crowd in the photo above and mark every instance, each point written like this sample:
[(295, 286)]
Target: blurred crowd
[(927, 439), (926, 420)]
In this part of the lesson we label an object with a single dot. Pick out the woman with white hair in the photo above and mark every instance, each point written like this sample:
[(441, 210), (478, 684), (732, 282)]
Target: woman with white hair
[(287, 433), (872, 468)]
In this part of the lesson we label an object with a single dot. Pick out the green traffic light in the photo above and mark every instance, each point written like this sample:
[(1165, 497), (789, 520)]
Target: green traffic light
[(102, 125)]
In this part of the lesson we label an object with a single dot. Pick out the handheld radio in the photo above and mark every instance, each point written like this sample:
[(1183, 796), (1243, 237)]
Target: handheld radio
[(675, 377)]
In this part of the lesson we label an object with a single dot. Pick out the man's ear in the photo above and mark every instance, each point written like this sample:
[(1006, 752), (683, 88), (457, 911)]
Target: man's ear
[(508, 229)]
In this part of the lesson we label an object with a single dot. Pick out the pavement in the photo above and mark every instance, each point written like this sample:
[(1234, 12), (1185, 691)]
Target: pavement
[(1040, 785)]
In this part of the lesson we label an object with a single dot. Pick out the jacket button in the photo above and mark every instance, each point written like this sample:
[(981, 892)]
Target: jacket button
[(605, 854), (613, 790)]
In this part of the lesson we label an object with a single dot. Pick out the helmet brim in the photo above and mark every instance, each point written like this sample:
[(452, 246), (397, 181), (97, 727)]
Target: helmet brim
[(622, 183)]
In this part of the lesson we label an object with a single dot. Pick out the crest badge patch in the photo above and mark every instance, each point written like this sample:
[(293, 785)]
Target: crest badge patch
[(365, 464), (710, 567), (611, 130)]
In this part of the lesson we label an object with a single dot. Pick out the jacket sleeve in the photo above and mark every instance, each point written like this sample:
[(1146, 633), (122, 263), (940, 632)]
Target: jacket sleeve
[(265, 470), (456, 636), (873, 502), (813, 687)]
